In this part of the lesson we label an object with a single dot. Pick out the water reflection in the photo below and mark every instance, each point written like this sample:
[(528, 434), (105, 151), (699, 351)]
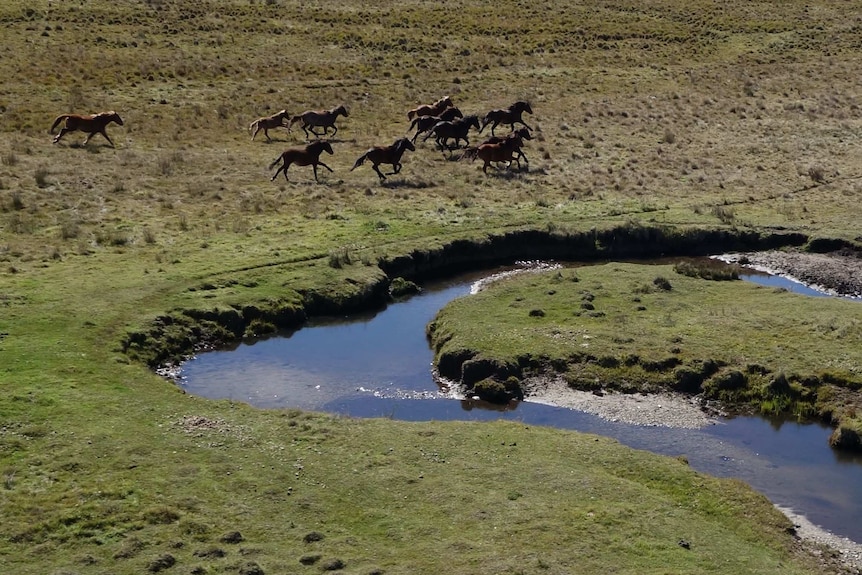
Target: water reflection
[(379, 365)]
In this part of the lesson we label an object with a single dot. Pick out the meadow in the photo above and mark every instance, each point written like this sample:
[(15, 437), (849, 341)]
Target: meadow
[(741, 117)]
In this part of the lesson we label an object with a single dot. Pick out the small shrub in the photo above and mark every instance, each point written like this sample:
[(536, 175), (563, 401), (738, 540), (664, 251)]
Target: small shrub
[(817, 174), (724, 214), (41, 177), (662, 283), (401, 287)]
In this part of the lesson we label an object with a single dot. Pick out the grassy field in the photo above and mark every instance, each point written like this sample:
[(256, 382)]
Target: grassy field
[(740, 116)]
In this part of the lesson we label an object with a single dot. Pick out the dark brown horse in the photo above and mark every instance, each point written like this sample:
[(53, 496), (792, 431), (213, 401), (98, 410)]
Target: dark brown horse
[(456, 129), (509, 116), (425, 123), (305, 156), (500, 152), (318, 119), (518, 153), (386, 155), (430, 109), (277, 120), (91, 125)]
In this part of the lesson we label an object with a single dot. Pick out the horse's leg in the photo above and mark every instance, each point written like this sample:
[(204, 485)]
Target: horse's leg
[(325, 166), (104, 133), (62, 133), (379, 173), (334, 130), (396, 167), (266, 133)]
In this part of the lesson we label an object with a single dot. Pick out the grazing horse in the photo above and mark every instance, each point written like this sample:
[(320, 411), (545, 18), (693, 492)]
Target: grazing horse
[(318, 119), (305, 156), (92, 124), (501, 152), (277, 120), (386, 155), (456, 129), (430, 109), (425, 123), (510, 116), (523, 133)]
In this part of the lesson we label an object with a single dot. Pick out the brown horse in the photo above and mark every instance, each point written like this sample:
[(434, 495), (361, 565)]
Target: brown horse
[(518, 153), (92, 124), (318, 119), (430, 109), (305, 156), (509, 116), (386, 155), (425, 123), (501, 152), (456, 129), (277, 120)]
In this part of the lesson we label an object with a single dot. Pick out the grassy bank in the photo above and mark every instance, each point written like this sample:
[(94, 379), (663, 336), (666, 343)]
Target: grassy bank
[(739, 118), (644, 328)]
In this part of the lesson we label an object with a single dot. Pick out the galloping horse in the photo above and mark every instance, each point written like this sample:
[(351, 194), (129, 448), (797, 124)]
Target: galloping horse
[(518, 153), (510, 116), (318, 119), (92, 124), (305, 156), (456, 129), (430, 109), (425, 123), (277, 120), (386, 155), (501, 152)]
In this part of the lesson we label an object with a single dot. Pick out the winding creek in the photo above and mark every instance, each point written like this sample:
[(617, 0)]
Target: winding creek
[(379, 365)]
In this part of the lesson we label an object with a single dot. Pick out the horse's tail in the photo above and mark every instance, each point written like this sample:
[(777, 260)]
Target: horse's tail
[(413, 123), (58, 120), (293, 119), (411, 114), (275, 161), (252, 125), (360, 161)]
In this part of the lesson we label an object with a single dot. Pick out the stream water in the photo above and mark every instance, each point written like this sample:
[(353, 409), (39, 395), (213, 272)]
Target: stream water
[(379, 365)]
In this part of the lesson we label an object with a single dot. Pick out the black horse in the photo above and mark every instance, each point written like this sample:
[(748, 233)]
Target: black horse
[(386, 155), (425, 123), (456, 129), (509, 116)]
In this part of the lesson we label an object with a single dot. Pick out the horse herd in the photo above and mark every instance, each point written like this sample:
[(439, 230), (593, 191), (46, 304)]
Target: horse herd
[(440, 120)]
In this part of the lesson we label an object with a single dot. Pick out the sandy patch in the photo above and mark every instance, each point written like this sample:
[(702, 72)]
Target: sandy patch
[(659, 410)]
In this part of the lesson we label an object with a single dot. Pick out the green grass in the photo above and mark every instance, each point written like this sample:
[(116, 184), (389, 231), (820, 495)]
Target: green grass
[(739, 117)]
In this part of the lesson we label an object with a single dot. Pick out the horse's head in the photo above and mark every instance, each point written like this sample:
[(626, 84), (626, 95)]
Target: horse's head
[(341, 110), (472, 121), (327, 147), (451, 113), (404, 144), (282, 114), (113, 117), (444, 101), (521, 106), (523, 133)]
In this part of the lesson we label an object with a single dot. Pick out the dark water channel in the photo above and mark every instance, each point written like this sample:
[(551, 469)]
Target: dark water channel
[(379, 365)]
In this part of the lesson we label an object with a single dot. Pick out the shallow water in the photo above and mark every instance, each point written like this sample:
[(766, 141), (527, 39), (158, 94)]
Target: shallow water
[(379, 365)]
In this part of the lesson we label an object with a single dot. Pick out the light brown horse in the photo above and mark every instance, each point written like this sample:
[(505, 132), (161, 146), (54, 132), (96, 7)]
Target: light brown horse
[(518, 153), (509, 116), (500, 152), (430, 109), (318, 119), (306, 156), (386, 155), (277, 120), (91, 124)]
